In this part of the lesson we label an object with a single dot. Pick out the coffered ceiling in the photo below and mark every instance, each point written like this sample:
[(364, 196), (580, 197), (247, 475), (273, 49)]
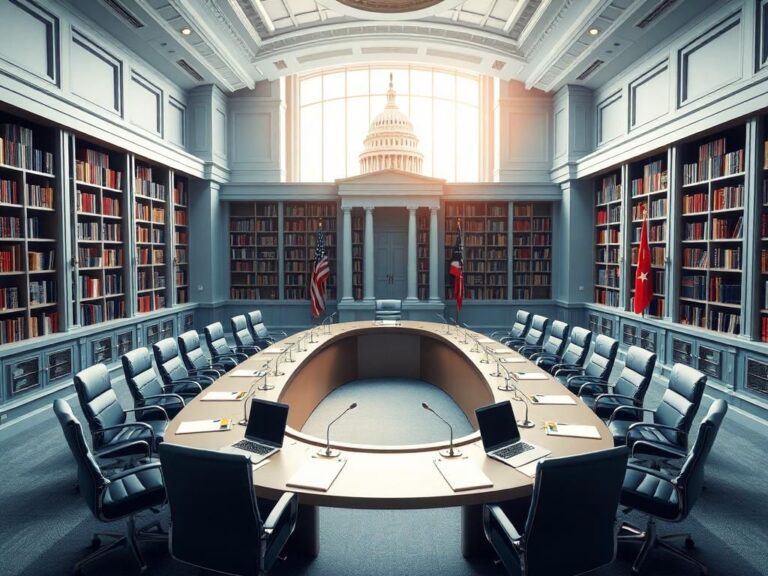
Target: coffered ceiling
[(543, 43)]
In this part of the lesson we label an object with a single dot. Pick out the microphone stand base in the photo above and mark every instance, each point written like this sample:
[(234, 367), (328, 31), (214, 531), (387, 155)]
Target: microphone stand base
[(243, 422), (265, 387), (525, 423), (450, 454), (506, 388), (496, 374), (278, 373), (329, 453)]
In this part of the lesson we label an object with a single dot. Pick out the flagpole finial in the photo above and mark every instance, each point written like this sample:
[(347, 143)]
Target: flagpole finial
[(320, 223)]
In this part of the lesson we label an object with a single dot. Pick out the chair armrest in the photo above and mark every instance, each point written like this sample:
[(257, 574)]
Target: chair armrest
[(283, 332), (172, 395), (566, 370), (634, 409), (529, 348), (501, 518), (107, 452), (598, 386), (652, 471), (288, 502), (505, 333), (511, 340), (547, 356), (210, 372), (148, 409), (143, 425), (638, 425), (233, 355), (601, 396), (248, 349), (640, 445), (169, 388)]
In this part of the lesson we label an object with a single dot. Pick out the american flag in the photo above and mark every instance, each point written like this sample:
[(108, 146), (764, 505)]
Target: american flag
[(457, 269), (320, 275)]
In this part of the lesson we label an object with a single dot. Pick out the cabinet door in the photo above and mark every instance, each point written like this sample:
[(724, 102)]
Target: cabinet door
[(24, 375), (59, 364), (102, 350)]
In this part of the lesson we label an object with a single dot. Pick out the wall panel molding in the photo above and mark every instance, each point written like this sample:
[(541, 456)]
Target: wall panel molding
[(648, 95), (87, 61), (30, 39), (145, 104)]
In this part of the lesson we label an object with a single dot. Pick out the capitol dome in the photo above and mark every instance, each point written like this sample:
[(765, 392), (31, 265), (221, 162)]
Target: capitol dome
[(391, 143)]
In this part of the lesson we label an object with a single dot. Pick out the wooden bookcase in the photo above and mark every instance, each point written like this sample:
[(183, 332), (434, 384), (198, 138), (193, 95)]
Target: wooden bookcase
[(763, 195), (29, 304), (358, 233), (648, 192), (531, 251), (422, 253), (485, 233), (608, 206), (253, 242), (181, 237), (101, 211), (151, 214), (712, 232), (301, 221)]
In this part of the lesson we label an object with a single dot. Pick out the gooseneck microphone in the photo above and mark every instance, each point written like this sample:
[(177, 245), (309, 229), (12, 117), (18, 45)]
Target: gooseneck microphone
[(328, 319), (524, 423), (252, 390), (327, 452), (451, 452), (445, 322)]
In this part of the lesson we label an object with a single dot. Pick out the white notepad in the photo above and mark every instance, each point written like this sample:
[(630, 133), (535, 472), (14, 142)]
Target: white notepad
[(247, 373), (487, 340), (502, 351), (530, 468), (512, 360), (552, 399), (387, 323), (192, 426), (571, 430), (462, 474), (273, 350), (530, 376), (317, 473), (222, 396)]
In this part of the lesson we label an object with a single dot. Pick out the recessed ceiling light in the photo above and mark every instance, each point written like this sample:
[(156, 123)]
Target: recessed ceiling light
[(593, 31), (186, 30)]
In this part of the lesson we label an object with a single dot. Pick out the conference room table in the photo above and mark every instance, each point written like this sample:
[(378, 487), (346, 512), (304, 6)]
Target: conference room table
[(305, 367)]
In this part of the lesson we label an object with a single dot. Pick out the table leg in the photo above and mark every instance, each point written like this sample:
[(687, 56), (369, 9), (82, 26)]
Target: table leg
[(305, 540), (473, 542)]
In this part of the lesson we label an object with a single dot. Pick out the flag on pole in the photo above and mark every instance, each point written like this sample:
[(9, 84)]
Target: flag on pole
[(320, 274), (643, 288), (457, 269)]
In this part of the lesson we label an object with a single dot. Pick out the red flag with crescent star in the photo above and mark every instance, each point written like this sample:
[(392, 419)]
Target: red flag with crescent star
[(643, 288)]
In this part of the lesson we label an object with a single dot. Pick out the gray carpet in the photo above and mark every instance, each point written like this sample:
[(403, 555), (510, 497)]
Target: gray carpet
[(45, 526)]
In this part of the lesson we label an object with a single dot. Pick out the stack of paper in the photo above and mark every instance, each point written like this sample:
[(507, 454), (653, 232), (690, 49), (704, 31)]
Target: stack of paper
[(214, 396), (486, 340), (462, 474), (274, 350), (552, 399), (192, 426), (317, 473), (240, 373), (512, 360), (502, 350), (572, 430), (530, 376), (387, 323)]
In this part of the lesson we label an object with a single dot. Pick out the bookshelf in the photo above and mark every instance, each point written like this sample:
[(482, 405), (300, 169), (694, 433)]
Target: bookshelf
[(150, 213), (358, 233), (301, 221), (181, 237), (763, 195), (485, 233), (531, 251), (608, 206), (712, 214), (29, 304), (253, 245), (422, 253), (648, 192)]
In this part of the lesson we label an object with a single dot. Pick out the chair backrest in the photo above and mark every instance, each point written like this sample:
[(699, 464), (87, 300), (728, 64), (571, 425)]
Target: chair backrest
[(90, 479), (240, 331), (169, 363), (535, 335), (571, 521), (99, 402), (636, 375), (603, 356), (215, 521), (578, 346), (521, 325), (191, 352), (680, 402), (389, 309), (256, 325), (557, 336), (141, 378), (217, 343), (690, 481)]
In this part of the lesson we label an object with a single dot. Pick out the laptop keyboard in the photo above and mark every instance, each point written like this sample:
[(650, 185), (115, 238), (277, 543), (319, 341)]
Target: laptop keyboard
[(513, 450), (254, 447)]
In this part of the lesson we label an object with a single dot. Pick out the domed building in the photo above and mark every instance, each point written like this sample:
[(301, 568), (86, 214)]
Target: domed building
[(391, 143)]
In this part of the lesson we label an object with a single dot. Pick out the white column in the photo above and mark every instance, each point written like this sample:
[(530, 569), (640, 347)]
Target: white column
[(433, 254), (368, 261), (347, 272), (412, 295)]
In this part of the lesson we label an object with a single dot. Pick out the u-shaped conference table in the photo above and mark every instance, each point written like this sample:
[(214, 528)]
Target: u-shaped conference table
[(388, 477)]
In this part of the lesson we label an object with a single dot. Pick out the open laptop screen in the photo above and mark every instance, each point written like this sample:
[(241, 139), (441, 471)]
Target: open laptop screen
[(497, 425), (266, 422)]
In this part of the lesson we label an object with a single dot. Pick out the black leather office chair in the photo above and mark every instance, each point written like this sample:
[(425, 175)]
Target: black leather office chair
[(217, 523), (571, 526), (628, 390), (145, 385), (113, 436), (598, 367), (121, 496), (259, 332), (574, 355), (388, 310), (218, 347), (195, 359), (519, 328), (554, 343), (658, 495), (171, 366), (534, 336), (672, 418), (244, 342)]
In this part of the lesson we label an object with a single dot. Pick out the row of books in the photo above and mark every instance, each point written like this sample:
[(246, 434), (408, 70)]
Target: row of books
[(180, 197), (39, 261), (726, 229), (695, 203), (10, 259), (608, 277), (696, 231), (607, 297), (24, 156), (531, 279), (728, 197), (610, 236), (180, 218), (657, 232), (181, 256), (310, 210), (727, 322), (474, 209), (99, 231), (9, 193), (10, 227), (692, 315), (90, 173), (724, 292), (42, 292), (9, 298), (34, 229), (12, 330), (726, 258), (40, 195), (607, 255), (46, 323), (93, 313), (180, 237), (657, 255), (654, 179), (714, 167), (610, 189), (655, 208)]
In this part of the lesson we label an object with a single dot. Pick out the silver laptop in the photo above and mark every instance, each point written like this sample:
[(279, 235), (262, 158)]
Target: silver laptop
[(265, 431), (501, 437)]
